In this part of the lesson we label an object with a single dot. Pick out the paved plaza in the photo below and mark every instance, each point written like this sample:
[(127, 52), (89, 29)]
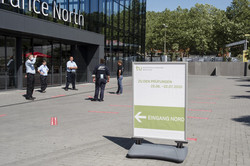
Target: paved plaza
[(99, 133)]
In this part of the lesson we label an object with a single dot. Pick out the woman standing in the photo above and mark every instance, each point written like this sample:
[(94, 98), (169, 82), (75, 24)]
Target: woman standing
[(120, 70)]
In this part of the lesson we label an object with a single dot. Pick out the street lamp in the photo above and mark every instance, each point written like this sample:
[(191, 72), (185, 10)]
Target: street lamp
[(165, 50)]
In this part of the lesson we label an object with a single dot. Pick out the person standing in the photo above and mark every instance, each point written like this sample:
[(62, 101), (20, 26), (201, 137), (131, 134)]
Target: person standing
[(30, 71), (101, 76), (71, 73), (43, 70), (120, 70)]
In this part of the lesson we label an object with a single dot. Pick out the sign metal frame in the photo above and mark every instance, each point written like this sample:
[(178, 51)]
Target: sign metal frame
[(186, 95)]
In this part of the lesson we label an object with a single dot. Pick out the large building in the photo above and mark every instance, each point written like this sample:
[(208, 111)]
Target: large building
[(55, 29)]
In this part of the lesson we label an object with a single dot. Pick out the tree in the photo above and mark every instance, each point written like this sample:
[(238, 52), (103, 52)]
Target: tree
[(239, 13), (201, 30)]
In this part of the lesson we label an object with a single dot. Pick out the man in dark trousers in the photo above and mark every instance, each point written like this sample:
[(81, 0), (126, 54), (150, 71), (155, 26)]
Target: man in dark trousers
[(30, 71), (43, 70), (71, 73), (101, 76)]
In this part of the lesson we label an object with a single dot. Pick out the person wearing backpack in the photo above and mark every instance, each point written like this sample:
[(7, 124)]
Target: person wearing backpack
[(101, 76), (120, 70)]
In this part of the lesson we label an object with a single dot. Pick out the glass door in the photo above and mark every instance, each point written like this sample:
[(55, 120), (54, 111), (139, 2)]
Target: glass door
[(2, 63), (57, 66), (42, 48), (11, 62)]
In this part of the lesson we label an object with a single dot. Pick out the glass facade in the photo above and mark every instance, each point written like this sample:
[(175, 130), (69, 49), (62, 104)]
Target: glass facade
[(7, 62), (122, 22)]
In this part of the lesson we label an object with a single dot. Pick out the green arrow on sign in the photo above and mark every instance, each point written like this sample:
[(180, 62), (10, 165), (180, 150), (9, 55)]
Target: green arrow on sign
[(138, 117)]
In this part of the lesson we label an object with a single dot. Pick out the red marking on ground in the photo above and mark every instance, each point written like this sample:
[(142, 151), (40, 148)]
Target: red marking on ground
[(192, 139), (206, 98), (120, 105), (2, 115), (191, 117), (203, 102), (57, 96), (90, 97), (208, 94), (216, 88), (212, 90), (200, 110), (104, 112), (53, 121)]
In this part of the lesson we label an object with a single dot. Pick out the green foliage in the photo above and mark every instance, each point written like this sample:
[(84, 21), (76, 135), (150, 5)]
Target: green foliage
[(203, 29)]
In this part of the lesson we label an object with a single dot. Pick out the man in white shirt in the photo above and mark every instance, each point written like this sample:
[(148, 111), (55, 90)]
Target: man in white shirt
[(43, 70), (30, 71), (71, 73)]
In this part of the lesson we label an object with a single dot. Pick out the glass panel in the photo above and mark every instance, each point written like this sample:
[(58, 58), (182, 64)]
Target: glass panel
[(101, 10), (121, 26), (82, 8), (126, 20), (109, 11), (42, 48), (56, 61), (2, 63), (63, 3), (73, 4), (94, 6), (127, 3), (11, 62), (116, 15)]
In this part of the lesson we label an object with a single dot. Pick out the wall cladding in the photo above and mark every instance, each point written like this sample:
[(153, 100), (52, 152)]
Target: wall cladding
[(217, 68)]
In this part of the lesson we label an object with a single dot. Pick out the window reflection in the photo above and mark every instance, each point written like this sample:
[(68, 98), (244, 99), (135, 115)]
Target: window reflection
[(121, 21)]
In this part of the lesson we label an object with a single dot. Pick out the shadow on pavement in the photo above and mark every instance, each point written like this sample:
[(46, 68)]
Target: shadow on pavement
[(243, 119), (241, 97), (112, 92), (244, 85), (233, 78), (125, 143), (243, 80)]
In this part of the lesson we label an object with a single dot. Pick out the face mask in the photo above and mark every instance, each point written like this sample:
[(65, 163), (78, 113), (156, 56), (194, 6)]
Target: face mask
[(32, 59)]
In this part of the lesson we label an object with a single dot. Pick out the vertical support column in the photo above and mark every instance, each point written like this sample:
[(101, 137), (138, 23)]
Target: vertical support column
[(61, 63), (5, 63), (19, 63), (95, 53), (52, 65)]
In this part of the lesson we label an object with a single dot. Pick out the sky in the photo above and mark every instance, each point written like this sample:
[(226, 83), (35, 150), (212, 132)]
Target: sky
[(161, 5)]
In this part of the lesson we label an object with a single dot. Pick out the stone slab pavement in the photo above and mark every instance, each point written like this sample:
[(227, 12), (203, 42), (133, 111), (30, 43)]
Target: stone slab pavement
[(99, 133)]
